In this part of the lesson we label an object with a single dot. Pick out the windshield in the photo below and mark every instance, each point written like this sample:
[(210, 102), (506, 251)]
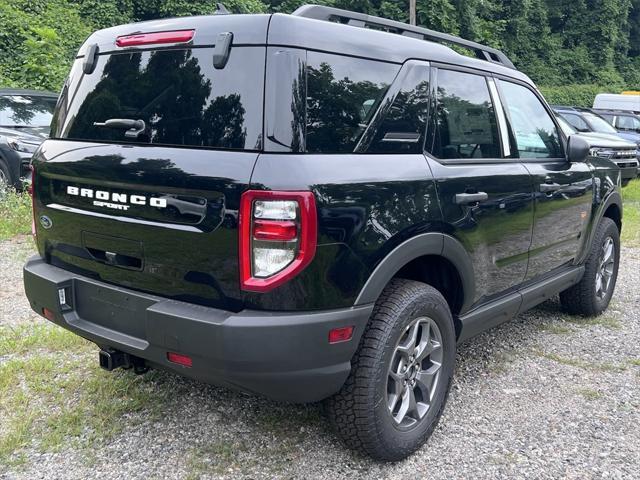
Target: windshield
[(26, 110), (599, 124), (564, 125)]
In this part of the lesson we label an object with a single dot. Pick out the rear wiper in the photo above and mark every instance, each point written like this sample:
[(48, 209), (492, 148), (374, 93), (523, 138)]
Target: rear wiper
[(134, 127)]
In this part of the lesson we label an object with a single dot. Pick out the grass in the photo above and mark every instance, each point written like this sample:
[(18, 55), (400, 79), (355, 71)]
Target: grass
[(53, 394), (555, 328), (15, 214), (589, 393), (605, 320), (631, 214), (575, 362)]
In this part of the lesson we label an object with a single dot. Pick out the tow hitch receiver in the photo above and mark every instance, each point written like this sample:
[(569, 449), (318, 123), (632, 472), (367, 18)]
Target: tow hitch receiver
[(111, 359)]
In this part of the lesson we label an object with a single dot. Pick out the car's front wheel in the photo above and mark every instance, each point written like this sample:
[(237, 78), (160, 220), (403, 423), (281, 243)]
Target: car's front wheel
[(592, 295), (400, 376)]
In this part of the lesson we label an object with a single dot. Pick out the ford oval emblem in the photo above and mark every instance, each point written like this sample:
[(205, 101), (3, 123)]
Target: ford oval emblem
[(46, 222)]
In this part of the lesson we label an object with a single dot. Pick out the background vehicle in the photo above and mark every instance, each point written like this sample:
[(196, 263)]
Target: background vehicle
[(25, 118), (393, 197), (621, 152), (621, 121), (584, 120), (614, 101)]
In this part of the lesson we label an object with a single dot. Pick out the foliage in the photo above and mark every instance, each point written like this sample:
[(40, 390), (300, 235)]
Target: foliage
[(586, 46), (15, 213), (577, 95)]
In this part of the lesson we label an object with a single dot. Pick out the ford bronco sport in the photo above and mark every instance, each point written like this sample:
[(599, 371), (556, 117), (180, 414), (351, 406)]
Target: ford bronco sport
[(361, 198)]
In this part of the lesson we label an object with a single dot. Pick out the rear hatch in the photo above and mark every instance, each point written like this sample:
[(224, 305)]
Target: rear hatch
[(152, 146)]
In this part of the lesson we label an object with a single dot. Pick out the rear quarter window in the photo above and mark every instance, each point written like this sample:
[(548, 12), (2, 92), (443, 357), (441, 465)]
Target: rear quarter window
[(343, 94), (181, 97)]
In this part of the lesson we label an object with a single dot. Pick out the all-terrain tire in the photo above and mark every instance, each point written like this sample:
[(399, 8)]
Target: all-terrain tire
[(360, 412), (583, 298)]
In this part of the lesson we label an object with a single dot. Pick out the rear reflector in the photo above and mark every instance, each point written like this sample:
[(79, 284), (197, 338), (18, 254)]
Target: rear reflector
[(180, 359), (178, 36), (342, 334), (48, 314)]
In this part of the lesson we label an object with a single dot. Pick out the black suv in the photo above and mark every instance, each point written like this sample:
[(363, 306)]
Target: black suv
[(25, 118), (360, 200)]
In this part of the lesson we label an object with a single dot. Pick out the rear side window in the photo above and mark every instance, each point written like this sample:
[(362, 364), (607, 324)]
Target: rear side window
[(403, 115), (343, 94), (465, 125), (535, 132), (177, 93)]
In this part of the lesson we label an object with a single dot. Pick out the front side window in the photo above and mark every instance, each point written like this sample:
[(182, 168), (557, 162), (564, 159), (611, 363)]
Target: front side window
[(343, 94), (465, 125), (178, 94), (535, 133)]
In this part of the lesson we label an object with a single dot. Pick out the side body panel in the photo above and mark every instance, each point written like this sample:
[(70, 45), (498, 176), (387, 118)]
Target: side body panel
[(495, 232), (367, 205), (562, 213)]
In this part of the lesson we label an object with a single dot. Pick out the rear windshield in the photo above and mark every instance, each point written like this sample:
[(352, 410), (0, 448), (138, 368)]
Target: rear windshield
[(178, 94), (26, 110)]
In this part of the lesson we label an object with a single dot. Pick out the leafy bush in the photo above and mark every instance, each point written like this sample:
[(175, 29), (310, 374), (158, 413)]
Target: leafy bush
[(577, 95), (38, 40), (15, 213)]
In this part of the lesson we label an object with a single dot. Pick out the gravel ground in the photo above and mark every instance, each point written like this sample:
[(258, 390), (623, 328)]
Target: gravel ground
[(543, 396)]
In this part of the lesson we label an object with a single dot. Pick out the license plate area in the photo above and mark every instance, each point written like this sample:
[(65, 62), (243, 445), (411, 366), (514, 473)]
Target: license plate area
[(112, 308)]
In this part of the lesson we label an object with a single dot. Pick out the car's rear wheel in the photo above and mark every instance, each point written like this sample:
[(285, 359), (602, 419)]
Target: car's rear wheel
[(592, 295), (400, 376)]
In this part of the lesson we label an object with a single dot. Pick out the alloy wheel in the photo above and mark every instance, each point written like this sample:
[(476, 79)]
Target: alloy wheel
[(414, 372), (606, 267)]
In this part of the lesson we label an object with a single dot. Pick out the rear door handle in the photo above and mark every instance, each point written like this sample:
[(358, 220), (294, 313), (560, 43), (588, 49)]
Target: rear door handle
[(549, 187), (466, 198)]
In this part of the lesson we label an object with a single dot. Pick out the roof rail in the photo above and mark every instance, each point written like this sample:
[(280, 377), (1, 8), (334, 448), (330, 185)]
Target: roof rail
[(319, 12)]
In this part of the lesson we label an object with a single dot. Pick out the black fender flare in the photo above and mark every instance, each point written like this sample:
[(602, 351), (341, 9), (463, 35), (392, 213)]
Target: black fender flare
[(432, 243), (614, 198)]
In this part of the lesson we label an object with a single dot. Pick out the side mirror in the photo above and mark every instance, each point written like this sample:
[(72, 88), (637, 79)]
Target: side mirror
[(577, 149)]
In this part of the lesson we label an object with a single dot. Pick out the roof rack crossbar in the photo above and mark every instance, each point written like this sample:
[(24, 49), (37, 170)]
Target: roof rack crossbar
[(320, 12)]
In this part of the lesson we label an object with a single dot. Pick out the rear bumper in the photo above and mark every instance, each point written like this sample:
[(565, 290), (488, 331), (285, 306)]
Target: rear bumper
[(284, 356)]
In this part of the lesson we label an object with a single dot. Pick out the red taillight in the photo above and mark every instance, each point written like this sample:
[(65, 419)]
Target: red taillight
[(177, 36), (180, 359), (48, 314), (341, 334), (274, 230), (278, 237)]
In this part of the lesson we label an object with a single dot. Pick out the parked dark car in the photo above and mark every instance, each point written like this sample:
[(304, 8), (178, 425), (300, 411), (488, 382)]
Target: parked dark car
[(585, 120), (393, 198), (620, 120), (25, 118), (621, 152)]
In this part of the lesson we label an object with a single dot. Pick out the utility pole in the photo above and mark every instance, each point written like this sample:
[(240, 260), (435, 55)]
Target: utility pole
[(412, 12)]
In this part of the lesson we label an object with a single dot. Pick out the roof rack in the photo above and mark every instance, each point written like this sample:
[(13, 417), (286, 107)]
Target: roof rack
[(319, 12)]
